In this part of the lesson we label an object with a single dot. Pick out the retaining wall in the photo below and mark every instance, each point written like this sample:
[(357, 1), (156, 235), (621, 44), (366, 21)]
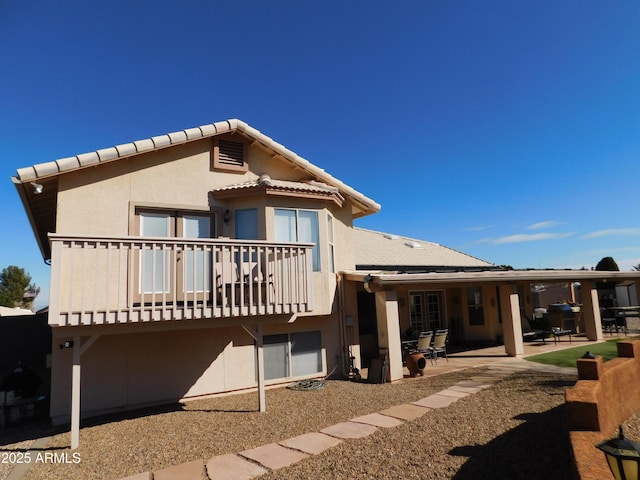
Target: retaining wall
[(605, 395)]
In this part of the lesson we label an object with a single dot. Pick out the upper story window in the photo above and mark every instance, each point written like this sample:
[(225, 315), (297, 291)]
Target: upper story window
[(332, 258), (229, 155), (293, 225)]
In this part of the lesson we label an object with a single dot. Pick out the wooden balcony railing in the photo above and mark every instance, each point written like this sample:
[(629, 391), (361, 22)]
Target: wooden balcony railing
[(133, 279)]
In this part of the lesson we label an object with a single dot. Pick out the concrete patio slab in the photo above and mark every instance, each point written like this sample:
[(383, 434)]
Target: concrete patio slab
[(349, 430), (405, 411), (274, 456), (435, 401), (184, 471), (311, 443), (233, 466), (453, 393), (378, 420)]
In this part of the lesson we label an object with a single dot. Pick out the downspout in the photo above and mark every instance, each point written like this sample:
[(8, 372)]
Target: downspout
[(344, 349)]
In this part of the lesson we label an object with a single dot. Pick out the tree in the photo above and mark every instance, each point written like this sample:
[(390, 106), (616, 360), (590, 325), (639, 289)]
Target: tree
[(607, 264), (16, 289)]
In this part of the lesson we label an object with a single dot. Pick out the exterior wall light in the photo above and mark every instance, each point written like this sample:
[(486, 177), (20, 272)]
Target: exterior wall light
[(37, 188), (227, 216), (623, 456)]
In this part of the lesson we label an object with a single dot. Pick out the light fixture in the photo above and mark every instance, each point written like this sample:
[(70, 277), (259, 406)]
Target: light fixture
[(623, 456), (227, 216), (37, 188), (66, 344)]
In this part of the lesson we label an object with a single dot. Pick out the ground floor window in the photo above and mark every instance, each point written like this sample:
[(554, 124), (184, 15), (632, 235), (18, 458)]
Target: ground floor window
[(292, 354), (426, 311)]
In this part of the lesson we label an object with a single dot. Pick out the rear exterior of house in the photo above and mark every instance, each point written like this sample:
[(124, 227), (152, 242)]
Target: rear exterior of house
[(171, 257), (215, 260)]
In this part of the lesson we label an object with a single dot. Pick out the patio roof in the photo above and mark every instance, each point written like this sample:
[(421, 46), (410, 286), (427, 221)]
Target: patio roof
[(388, 279)]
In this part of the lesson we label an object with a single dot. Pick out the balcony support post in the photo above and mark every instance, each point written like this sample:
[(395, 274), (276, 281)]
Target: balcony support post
[(78, 350), (258, 336)]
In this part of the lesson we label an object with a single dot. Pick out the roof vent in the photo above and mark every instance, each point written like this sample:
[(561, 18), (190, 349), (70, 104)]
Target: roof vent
[(413, 245), (391, 236)]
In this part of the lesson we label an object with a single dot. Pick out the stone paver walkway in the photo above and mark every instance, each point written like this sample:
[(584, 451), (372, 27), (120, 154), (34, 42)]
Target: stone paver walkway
[(257, 461)]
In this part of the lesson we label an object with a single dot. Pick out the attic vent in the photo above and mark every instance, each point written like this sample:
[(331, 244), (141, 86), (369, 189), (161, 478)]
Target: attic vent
[(391, 236), (229, 155), (413, 245)]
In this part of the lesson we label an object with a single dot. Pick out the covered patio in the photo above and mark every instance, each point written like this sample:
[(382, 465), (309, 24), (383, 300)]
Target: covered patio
[(504, 299)]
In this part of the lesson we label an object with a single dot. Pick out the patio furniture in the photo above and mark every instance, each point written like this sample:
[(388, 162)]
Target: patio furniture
[(560, 332), (439, 345), (425, 344), (530, 334)]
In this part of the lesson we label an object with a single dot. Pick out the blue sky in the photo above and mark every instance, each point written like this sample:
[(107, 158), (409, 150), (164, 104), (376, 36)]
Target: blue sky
[(508, 130)]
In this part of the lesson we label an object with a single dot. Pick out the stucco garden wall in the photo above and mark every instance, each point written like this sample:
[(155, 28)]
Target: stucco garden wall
[(605, 395)]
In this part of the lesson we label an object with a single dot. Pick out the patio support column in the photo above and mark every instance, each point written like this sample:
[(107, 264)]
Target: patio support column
[(389, 331), (511, 322), (591, 311), (76, 373)]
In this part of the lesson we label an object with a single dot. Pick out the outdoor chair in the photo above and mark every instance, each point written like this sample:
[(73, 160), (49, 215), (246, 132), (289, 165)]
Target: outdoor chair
[(424, 344), (530, 334), (440, 343)]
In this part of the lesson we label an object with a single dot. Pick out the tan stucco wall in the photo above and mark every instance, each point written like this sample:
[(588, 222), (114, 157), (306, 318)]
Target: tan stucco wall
[(128, 370), (101, 201), (144, 366)]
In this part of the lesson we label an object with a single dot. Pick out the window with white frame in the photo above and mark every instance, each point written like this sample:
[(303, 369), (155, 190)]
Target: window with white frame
[(332, 258), (292, 354), (293, 225)]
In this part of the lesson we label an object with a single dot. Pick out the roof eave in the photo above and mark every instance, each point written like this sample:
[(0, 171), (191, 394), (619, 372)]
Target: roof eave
[(22, 192)]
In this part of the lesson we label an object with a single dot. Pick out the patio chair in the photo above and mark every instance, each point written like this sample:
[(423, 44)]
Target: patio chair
[(424, 344), (440, 343), (530, 334)]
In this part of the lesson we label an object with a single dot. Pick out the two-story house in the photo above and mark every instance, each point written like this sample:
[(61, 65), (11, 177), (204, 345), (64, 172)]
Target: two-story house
[(215, 260)]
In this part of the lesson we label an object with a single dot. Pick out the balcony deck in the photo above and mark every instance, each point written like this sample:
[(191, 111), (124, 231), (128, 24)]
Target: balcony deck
[(109, 280)]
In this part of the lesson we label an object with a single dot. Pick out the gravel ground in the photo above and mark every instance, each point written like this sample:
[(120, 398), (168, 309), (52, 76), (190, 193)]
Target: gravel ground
[(513, 430)]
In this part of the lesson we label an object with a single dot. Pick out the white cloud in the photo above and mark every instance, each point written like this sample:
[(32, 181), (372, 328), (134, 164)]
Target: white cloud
[(530, 237), (545, 224), (479, 228), (630, 232)]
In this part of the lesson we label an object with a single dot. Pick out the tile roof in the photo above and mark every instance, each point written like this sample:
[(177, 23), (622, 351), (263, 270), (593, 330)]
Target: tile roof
[(378, 250), (57, 167), (267, 181)]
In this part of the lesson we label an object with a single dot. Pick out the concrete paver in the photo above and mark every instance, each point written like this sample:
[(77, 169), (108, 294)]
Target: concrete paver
[(233, 466), (378, 420), (274, 456), (311, 443), (405, 411), (435, 401), (139, 476), (453, 393), (349, 430), (184, 471)]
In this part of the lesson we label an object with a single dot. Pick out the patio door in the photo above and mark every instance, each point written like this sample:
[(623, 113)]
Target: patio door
[(426, 311), (184, 268)]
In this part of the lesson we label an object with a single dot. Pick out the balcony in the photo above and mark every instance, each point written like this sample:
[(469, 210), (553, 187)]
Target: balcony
[(110, 280)]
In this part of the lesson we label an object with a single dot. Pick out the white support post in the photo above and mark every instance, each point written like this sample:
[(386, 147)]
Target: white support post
[(76, 374), (75, 394), (262, 400), (258, 336)]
